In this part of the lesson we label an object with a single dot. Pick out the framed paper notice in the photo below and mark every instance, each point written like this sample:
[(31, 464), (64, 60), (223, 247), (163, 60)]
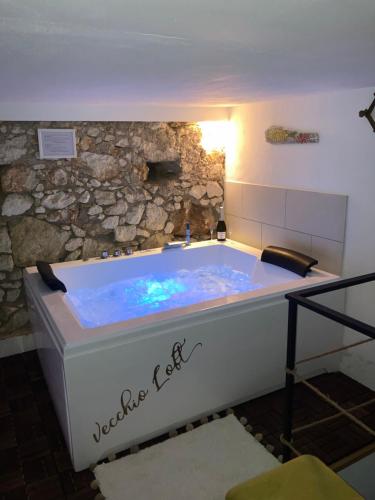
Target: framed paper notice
[(57, 143)]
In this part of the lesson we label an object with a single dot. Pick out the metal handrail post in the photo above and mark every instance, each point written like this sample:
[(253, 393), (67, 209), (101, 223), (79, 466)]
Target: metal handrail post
[(289, 378)]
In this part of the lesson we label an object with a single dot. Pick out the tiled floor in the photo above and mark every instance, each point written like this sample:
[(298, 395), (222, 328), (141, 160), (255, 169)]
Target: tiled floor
[(330, 441), (34, 462), (35, 465)]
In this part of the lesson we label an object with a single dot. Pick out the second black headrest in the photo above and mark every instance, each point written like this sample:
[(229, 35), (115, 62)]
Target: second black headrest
[(296, 262)]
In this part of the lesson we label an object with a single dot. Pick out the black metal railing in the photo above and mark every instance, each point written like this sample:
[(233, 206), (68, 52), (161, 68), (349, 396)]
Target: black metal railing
[(301, 298)]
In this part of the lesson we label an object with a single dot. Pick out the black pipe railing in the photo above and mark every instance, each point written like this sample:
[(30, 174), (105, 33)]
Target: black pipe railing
[(300, 298)]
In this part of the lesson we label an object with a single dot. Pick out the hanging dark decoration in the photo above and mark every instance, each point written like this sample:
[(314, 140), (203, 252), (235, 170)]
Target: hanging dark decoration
[(368, 114)]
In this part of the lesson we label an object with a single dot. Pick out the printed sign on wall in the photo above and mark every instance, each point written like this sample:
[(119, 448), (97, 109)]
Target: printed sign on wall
[(57, 143)]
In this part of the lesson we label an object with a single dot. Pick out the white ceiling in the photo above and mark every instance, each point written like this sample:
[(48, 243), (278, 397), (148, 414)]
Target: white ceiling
[(202, 52)]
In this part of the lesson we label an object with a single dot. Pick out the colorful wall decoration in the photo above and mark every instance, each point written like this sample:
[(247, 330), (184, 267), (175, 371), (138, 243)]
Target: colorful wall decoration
[(280, 135)]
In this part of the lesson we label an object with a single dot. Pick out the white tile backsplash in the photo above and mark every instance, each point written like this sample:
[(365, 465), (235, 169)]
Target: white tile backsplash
[(309, 222), (279, 236), (233, 198), (328, 253), (244, 231), (264, 204), (319, 214)]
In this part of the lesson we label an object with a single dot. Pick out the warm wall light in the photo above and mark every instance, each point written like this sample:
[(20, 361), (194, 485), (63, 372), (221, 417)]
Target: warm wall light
[(216, 135)]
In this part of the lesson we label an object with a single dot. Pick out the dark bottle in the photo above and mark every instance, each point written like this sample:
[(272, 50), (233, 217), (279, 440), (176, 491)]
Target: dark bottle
[(221, 228)]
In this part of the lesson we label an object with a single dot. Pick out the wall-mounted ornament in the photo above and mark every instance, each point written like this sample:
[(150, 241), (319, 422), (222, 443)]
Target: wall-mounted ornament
[(369, 114), (280, 135)]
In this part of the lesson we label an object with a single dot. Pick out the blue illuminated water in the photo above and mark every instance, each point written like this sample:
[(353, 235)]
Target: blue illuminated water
[(154, 293)]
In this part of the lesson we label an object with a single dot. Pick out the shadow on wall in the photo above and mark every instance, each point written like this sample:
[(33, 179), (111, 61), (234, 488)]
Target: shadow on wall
[(58, 210)]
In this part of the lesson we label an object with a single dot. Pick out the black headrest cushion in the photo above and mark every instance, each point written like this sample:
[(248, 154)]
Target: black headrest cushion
[(46, 273), (288, 259)]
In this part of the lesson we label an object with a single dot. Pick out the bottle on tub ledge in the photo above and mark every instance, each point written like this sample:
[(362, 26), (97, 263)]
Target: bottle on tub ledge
[(188, 235), (221, 228)]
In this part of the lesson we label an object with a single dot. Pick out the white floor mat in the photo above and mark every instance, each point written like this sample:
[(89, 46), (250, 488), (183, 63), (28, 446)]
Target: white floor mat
[(202, 464)]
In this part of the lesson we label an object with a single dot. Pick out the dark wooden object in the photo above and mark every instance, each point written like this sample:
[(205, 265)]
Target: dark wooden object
[(367, 113)]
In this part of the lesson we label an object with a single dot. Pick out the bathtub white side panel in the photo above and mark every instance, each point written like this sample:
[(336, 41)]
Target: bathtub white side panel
[(52, 364), (226, 359)]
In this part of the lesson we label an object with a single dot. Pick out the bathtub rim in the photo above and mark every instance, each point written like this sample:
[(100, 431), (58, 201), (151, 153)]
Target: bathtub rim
[(60, 318)]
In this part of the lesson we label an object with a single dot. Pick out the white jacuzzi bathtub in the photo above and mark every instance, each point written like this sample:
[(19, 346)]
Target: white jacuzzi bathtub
[(119, 378)]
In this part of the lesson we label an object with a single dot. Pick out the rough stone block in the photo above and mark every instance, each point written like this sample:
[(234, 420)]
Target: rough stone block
[(125, 233), (19, 179), (105, 197), (16, 204), (156, 217), (58, 200), (12, 149), (33, 239), (6, 263), (5, 243), (101, 167)]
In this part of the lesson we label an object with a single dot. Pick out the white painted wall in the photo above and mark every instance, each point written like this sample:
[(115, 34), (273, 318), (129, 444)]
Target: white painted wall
[(107, 111), (343, 162)]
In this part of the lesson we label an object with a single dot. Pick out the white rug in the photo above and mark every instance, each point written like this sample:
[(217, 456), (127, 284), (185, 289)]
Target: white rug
[(202, 464)]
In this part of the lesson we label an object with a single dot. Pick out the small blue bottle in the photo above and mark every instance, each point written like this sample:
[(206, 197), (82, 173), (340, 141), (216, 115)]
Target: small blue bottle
[(187, 233)]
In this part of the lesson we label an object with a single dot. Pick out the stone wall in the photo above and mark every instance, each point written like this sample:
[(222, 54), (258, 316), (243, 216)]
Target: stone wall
[(58, 210)]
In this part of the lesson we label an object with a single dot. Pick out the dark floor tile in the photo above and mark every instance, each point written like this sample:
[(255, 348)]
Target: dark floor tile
[(39, 468), (23, 404), (4, 404), (12, 366), (27, 418), (11, 482), (34, 448), (46, 408), (62, 460), (39, 386), (17, 386), (86, 494), (30, 433), (9, 463), (329, 441), (14, 494), (54, 436), (75, 481), (48, 489), (7, 433)]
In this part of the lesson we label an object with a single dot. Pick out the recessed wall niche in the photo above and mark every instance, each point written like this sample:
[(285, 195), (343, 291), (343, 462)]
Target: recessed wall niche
[(159, 171)]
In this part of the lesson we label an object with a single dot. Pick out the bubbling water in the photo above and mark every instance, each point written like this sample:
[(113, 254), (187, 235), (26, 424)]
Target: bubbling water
[(153, 293)]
